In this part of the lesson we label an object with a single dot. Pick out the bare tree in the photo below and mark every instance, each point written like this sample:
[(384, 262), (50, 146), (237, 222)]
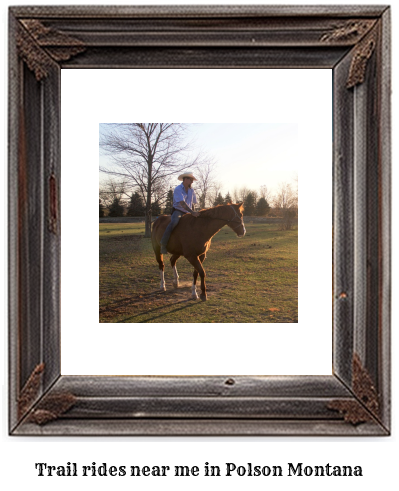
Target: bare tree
[(146, 155), (286, 202), (160, 191), (215, 190), (239, 195), (264, 192), (285, 197), (295, 179), (206, 181), (111, 189)]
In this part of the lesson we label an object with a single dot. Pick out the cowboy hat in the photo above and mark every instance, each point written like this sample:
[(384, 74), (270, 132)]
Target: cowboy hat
[(186, 174)]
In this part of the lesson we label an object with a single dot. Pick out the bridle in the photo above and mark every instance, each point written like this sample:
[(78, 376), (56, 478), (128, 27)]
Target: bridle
[(241, 222)]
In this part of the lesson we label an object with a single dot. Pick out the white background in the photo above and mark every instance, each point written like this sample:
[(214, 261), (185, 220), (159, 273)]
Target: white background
[(303, 97), (377, 456)]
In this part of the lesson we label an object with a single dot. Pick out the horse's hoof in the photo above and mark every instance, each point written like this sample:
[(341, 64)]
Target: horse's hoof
[(194, 296), (176, 285), (163, 289), (203, 297)]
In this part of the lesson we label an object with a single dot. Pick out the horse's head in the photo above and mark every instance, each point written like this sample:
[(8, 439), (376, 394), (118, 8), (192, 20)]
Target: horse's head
[(236, 223)]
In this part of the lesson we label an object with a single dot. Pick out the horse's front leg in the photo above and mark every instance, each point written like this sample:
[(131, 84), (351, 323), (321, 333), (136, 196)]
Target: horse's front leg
[(199, 270), (161, 270), (173, 260)]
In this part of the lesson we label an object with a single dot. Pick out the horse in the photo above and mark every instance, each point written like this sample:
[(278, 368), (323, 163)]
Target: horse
[(192, 237)]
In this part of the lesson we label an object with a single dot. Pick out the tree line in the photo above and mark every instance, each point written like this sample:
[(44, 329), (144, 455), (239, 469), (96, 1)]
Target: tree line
[(283, 203), (147, 157)]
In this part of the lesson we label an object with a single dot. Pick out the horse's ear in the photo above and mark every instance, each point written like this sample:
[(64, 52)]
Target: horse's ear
[(241, 205)]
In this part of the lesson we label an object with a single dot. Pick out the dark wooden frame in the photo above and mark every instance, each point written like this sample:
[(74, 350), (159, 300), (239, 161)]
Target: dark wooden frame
[(353, 41)]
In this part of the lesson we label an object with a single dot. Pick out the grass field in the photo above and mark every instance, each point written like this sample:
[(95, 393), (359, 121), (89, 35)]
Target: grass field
[(249, 279)]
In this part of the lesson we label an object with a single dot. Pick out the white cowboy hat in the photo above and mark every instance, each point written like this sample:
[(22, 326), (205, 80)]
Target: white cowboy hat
[(186, 174)]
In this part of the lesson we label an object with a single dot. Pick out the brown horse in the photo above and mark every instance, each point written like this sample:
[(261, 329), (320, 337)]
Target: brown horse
[(191, 238)]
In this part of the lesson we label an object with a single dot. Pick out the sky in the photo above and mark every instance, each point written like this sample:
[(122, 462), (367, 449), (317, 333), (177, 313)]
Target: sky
[(246, 154), (250, 155)]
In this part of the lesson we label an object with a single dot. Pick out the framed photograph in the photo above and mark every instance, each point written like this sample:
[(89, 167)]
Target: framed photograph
[(225, 55), (244, 184)]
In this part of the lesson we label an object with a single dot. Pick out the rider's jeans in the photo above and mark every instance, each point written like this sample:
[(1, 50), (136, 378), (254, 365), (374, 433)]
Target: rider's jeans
[(176, 215)]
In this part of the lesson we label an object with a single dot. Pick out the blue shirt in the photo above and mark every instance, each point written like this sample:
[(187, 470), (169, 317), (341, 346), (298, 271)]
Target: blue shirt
[(180, 195)]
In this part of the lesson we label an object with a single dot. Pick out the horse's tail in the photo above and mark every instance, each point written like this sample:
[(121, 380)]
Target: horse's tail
[(153, 232), (153, 227), (155, 224), (157, 228)]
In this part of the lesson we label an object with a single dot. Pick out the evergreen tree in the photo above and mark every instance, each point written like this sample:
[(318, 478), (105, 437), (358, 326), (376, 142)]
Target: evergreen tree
[(155, 209), (169, 202), (262, 207), (227, 199), (219, 200), (250, 204), (116, 209), (101, 209), (136, 206)]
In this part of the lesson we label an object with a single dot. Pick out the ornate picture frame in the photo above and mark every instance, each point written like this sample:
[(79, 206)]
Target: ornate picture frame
[(354, 42)]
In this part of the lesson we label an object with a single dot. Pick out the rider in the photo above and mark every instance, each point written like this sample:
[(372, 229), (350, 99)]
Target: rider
[(183, 202)]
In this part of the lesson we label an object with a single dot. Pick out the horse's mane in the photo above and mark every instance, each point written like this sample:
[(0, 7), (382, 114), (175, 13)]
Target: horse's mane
[(216, 211)]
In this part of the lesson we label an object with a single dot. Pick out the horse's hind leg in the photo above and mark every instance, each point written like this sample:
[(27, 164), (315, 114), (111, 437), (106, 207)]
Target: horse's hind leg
[(173, 260), (198, 270), (193, 288)]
